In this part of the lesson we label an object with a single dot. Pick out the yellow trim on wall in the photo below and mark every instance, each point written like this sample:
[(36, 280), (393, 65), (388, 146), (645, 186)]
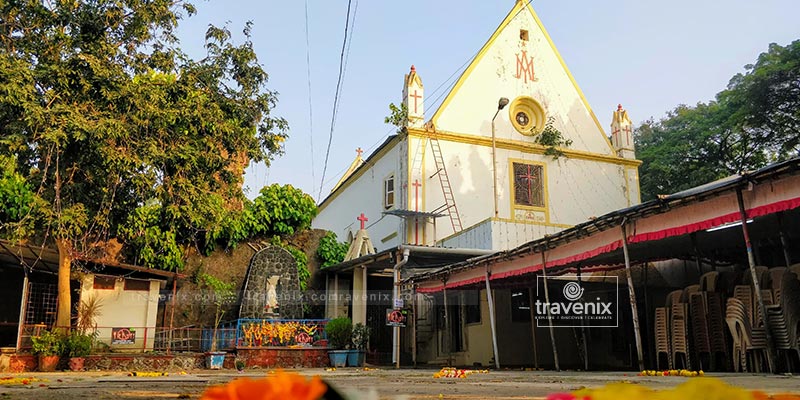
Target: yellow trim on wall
[(359, 172), (407, 184), (546, 194), (487, 46), (524, 147), (389, 237)]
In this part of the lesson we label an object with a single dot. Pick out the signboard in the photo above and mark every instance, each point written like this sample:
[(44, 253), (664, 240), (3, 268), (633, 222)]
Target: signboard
[(396, 317), (123, 336), (398, 303)]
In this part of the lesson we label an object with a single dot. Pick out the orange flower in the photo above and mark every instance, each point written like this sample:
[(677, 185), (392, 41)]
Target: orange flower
[(281, 385)]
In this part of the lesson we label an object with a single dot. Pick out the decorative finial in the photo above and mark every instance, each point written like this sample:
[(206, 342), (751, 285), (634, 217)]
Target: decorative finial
[(619, 107), (413, 69)]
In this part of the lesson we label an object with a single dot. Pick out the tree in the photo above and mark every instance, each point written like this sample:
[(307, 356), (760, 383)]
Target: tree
[(754, 122), (105, 115)]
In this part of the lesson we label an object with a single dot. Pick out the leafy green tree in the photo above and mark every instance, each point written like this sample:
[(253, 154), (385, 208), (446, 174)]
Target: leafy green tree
[(330, 250), (754, 122), (280, 210), (104, 113)]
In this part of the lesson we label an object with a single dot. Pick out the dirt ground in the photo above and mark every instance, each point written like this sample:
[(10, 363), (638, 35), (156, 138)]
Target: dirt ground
[(374, 384)]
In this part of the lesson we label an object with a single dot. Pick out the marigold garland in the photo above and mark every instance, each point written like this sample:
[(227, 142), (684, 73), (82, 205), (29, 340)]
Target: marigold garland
[(450, 372), (279, 386), (673, 372), (24, 381)]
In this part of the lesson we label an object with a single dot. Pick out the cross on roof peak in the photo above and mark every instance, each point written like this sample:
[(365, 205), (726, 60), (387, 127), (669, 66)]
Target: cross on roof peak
[(363, 219), (359, 151)]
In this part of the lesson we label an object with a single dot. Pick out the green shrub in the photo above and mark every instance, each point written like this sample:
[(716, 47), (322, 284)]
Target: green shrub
[(330, 250), (48, 344), (360, 336), (339, 332), (78, 345)]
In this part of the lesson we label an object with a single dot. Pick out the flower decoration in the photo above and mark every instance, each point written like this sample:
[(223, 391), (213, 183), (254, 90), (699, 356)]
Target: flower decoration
[(450, 372), (278, 386)]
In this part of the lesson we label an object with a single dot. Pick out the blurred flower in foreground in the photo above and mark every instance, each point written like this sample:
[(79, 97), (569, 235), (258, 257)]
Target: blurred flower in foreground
[(281, 385), (695, 389)]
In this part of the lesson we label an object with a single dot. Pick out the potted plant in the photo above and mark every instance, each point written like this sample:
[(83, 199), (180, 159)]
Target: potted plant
[(339, 331), (240, 364), (77, 347), (223, 293), (355, 358), (48, 346), (80, 342)]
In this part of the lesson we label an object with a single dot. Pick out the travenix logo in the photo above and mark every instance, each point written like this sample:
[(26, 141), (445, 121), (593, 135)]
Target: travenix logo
[(589, 302)]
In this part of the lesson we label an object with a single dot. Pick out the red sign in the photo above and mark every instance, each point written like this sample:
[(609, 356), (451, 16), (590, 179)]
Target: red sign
[(123, 336)]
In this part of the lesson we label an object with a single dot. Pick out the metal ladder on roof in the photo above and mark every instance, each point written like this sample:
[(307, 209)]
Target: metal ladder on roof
[(447, 190)]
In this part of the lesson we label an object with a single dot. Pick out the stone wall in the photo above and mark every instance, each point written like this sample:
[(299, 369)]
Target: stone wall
[(271, 261)]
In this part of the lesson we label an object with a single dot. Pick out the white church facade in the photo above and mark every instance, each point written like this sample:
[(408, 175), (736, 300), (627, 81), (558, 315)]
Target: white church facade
[(476, 165)]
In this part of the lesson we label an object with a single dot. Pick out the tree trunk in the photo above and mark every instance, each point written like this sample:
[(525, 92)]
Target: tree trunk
[(63, 316)]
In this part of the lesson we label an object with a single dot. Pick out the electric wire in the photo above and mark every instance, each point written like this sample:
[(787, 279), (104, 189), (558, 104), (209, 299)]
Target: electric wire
[(310, 102), (336, 96)]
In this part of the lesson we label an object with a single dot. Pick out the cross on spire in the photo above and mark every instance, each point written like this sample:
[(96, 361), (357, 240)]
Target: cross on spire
[(363, 219), (359, 151)]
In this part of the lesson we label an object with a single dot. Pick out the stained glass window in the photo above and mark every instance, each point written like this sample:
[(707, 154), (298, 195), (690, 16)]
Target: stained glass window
[(528, 185)]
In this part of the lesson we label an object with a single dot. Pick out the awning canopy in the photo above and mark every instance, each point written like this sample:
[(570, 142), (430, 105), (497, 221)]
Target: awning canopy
[(419, 258), (696, 221), (45, 259)]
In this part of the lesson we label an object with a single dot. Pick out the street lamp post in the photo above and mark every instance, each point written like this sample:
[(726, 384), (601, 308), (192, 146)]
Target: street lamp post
[(502, 103)]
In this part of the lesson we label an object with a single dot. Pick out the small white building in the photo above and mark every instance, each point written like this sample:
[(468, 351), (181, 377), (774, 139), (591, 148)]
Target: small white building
[(484, 168)]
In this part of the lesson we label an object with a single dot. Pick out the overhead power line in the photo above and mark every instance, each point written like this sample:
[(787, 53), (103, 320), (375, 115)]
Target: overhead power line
[(345, 50)]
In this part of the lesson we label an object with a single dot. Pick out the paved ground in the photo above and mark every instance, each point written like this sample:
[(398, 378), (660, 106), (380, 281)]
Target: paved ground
[(377, 383)]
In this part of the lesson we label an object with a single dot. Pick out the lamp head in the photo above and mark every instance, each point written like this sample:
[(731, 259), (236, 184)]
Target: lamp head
[(502, 103)]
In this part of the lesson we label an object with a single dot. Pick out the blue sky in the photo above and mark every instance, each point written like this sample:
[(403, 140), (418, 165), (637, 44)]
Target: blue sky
[(648, 55)]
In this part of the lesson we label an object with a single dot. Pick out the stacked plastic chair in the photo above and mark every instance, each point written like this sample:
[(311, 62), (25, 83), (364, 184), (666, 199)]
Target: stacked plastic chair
[(783, 317), (700, 339), (662, 337), (739, 325), (718, 341), (679, 329)]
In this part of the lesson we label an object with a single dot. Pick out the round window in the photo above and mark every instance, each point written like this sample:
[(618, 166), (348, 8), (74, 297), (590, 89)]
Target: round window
[(527, 115), (523, 119)]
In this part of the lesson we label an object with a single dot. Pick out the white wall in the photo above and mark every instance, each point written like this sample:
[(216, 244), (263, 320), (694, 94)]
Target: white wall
[(576, 190), (122, 308), (365, 194)]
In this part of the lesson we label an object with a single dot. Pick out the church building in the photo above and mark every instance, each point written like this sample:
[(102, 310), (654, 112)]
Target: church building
[(513, 153), (480, 171)]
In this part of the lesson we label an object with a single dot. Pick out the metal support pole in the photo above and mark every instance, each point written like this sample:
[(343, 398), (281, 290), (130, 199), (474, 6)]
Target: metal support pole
[(533, 328), (23, 307), (490, 300), (632, 296), (494, 169), (756, 285), (784, 242), (172, 311), (446, 324), (693, 236), (583, 330), (396, 329), (414, 321), (547, 306)]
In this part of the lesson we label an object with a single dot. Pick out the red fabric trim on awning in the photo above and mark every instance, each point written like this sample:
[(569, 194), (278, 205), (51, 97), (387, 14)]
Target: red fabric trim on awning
[(759, 211)]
